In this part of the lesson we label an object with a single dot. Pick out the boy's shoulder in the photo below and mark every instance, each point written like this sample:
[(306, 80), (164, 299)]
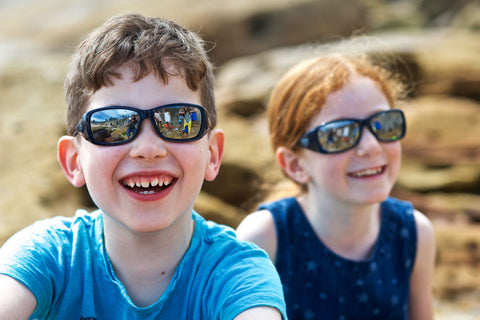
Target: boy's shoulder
[(219, 238), (211, 231), (81, 219), (58, 230), (216, 248)]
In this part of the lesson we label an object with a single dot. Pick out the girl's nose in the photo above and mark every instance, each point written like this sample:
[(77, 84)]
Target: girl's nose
[(148, 145), (368, 144)]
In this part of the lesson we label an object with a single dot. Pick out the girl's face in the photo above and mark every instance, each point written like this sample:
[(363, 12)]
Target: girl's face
[(364, 174)]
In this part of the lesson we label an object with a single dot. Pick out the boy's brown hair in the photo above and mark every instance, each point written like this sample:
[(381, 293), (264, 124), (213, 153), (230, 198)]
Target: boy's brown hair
[(146, 44)]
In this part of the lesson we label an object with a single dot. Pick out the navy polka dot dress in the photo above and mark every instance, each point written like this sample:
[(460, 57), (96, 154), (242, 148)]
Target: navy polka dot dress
[(319, 284)]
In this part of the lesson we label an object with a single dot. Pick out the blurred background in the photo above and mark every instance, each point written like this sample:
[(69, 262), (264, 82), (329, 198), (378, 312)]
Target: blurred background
[(435, 44)]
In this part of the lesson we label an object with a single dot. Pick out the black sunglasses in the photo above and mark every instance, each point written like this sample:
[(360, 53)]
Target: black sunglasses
[(344, 134), (109, 126)]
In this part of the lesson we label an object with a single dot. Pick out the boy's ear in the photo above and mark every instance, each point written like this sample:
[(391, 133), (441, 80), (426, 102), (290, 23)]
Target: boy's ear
[(216, 145), (67, 156), (292, 165)]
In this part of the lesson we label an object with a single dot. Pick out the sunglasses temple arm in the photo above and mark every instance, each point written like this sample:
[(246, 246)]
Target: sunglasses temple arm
[(81, 129), (306, 142)]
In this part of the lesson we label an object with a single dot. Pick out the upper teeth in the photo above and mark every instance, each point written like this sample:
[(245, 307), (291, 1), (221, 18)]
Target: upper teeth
[(367, 172), (143, 183)]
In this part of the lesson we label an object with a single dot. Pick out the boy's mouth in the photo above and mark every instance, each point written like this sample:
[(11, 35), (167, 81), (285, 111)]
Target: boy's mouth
[(367, 172), (148, 184)]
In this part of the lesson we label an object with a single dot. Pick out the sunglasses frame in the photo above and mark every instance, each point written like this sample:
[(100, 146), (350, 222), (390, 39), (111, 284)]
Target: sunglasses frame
[(310, 139), (84, 126)]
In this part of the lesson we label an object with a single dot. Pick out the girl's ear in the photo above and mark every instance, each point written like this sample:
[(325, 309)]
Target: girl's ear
[(67, 156), (215, 148), (292, 165)]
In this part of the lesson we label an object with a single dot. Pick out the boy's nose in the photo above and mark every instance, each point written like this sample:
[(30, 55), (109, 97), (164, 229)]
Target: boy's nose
[(147, 145), (368, 144)]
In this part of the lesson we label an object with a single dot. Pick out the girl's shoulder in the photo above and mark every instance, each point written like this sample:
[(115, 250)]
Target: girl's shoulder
[(397, 205), (259, 228), (425, 231), (403, 208)]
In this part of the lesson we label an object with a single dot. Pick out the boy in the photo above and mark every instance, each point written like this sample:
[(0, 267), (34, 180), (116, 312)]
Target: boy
[(145, 254)]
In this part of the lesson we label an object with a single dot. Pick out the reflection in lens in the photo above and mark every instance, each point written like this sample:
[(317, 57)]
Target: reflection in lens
[(179, 122), (388, 126), (114, 125), (338, 135)]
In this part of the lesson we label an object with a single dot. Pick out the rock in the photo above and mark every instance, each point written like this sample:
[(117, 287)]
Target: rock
[(458, 258), (441, 12), (213, 208), (468, 17), (453, 71), (442, 131), (286, 23)]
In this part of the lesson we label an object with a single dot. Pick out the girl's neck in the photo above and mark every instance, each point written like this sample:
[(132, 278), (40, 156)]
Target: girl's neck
[(349, 230)]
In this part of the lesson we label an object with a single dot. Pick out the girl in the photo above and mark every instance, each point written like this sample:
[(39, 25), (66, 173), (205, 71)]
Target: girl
[(343, 247)]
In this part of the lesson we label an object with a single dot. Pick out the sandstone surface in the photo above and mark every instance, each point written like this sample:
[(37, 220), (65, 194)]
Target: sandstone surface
[(435, 44)]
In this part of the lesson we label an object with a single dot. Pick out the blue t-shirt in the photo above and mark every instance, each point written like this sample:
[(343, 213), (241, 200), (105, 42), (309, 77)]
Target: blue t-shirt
[(319, 284), (64, 263)]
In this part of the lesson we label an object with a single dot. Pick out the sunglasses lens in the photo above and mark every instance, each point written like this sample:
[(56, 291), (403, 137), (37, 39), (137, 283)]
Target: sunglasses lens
[(339, 135), (113, 125), (179, 122), (388, 126)]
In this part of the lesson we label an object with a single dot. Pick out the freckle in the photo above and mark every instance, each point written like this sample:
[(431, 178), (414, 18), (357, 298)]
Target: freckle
[(163, 272)]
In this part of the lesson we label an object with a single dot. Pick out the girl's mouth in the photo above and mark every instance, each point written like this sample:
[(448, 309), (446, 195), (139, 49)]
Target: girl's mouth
[(148, 184), (367, 172)]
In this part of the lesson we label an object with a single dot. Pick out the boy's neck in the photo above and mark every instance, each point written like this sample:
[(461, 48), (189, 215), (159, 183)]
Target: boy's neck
[(145, 263)]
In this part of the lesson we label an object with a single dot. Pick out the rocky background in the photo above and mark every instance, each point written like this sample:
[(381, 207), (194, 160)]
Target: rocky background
[(435, 44)]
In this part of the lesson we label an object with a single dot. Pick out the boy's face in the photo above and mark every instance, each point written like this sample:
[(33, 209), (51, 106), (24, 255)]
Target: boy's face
[(110, 171)]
